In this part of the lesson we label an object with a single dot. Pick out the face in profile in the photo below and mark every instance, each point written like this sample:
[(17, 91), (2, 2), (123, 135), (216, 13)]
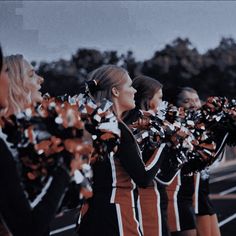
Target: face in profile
[(189, 100), (34, 82), (126, 95), (4, 86), (156, 100)]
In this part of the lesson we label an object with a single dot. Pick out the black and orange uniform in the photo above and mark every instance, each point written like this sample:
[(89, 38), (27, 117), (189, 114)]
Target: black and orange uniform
[(180, 212), (201, 200), (182, 194), (152, 204), (153, 209), (15, 209), (114, 208), (163, 206)]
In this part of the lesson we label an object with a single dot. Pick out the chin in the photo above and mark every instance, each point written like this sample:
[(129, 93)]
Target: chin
[(132, 106), (37, 99)]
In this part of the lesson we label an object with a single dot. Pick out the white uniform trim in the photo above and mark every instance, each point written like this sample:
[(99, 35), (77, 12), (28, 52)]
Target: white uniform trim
[(114, 181), (176, 203), (156, 158), (222, 144), (119, 217), (140, 214), (42, 193), (197, 184), (169, 182)]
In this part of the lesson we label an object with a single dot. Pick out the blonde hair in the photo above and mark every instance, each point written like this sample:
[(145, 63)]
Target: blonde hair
[(19, 93), (106, 77)]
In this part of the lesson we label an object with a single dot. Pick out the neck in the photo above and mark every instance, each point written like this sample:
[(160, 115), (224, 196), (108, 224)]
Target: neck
[(117, 109), (119, 115)]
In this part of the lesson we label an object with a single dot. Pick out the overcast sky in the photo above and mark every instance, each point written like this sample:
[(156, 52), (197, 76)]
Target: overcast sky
[(51, 29)]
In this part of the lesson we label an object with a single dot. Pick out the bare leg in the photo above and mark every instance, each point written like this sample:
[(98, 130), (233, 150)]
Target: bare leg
[(215, 231), (203, 225)]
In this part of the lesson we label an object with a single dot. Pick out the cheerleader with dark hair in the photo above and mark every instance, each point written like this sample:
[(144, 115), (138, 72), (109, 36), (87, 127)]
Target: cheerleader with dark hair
[(153, 199), (188, 187), (206, 218), (180, 214)]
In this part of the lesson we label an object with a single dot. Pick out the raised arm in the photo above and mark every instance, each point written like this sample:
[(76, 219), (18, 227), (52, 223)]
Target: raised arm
[(132, 160)]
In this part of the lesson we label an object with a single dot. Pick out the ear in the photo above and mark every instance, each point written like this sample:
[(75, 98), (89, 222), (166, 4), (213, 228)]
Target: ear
[(115, 92)]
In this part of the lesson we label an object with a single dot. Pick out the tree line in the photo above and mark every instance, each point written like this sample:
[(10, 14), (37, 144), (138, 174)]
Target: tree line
[(177, 64)]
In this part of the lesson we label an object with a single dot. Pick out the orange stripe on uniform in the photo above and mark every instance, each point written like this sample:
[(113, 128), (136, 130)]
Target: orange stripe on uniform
[(130, 226), (171, 214), (155, 157), (149, 208), (124, 185)]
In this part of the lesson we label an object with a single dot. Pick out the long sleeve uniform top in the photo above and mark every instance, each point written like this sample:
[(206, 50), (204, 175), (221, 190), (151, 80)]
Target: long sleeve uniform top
[(117, 176)]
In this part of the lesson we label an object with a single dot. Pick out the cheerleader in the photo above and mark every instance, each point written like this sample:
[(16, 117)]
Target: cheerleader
[(24, 84), (15, 210), (206, 218), (113, 209), (153, 199), (180, 214)]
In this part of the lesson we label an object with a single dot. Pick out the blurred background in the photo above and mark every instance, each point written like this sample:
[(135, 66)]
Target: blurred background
[(188, 43)]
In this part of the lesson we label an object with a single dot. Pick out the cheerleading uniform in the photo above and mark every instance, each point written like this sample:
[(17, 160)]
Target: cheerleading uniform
[(152, 201), (152, 208), (180, 213), (202, 202), (181, 194), (14, 205), (163, 205), (114, 208)]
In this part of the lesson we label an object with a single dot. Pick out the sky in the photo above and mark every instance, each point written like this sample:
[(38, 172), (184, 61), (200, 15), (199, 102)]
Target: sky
[(48, 30)]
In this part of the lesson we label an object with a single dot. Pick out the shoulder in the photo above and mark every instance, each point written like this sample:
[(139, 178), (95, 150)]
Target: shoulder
[(5, 154), (126, 133), (131, 116), (3, 147), (128, 142)]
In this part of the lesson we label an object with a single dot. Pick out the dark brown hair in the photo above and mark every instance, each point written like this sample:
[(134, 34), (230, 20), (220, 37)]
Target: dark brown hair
[(173, 95), (146, 88), (180, 93)]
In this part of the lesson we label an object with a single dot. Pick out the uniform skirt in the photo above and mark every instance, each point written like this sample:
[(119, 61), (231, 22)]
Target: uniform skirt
[(202, 202)]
